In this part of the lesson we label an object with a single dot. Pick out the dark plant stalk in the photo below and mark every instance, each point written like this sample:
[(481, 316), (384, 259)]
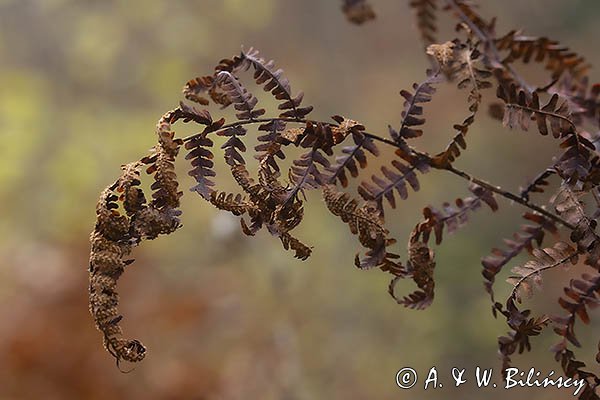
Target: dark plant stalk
[(496, 189)]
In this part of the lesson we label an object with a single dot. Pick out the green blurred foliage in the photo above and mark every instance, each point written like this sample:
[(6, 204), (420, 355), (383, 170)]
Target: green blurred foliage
[(224, 316)]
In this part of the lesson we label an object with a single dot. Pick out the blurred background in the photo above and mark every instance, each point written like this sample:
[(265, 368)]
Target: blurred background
[(82, 84)]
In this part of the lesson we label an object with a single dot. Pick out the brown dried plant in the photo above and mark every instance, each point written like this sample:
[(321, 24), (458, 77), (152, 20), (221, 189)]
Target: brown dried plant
[(567, 107)]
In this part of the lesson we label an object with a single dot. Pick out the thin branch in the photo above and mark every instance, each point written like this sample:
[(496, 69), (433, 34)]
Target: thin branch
[(496, 189)]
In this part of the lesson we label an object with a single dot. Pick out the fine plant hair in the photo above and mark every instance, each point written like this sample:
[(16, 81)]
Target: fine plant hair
[(333, 154)]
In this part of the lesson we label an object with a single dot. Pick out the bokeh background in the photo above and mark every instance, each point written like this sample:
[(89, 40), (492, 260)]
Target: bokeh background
[(82, 84)]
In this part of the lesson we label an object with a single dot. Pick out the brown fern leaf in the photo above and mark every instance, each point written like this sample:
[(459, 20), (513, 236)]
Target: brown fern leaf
[(245, 181), (195, 87), (452, 151), (573, 368), (344, 128), (526, 238), (234, 145), (273, 81), (115, 234), (528, 276), (425, 11), (538, 183), (243, 101), (110, 246), (165, 183), (302, 251), (393, 180), (413, 109), (581, 294), (520, 108), (269, 146), (569, 206), (318, 135), (260, 214), (465, 10), (304, 173), (358, 11), (469, 72), (190, 113), (523, 328), (452, 217), (366, 222), (558, 59), (293, 136), (127, 186), (201, 159), (583, 98), (269, 206), (443, 53), (420, 266), (234, 203), (352, 155), (269, 182), (575, 163)]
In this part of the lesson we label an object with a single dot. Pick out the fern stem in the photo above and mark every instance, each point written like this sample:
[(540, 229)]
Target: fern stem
[(496, 189), (511, 196)]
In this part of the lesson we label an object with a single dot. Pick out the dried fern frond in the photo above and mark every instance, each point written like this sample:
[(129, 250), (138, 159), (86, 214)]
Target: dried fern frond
[(581, 294), (116, 233), (301, 250), (234, 203), (413, 109), (305, 174), (243, 101), (569, 206), (269, 146), (358, 11), (537, 184), (110, 245), (352, 154), (420, 267), (465, 11), (365, 221), (523, 328), (526, 238), (197, 86), (573, 368), (575, 163), (452, 217), (452, 151), (557, 58), (277, 84), (528, 276), (234, 146), (393, 180), (521, 108), (583, 99), (469, 71), (424, 11), (267, 199), (201, 159)]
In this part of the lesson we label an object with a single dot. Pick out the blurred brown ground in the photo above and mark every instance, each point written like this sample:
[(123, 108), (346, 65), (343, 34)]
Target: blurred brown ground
[(82, 84)]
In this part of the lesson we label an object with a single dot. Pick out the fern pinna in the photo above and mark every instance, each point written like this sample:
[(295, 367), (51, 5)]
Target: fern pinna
[(334, 152)]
